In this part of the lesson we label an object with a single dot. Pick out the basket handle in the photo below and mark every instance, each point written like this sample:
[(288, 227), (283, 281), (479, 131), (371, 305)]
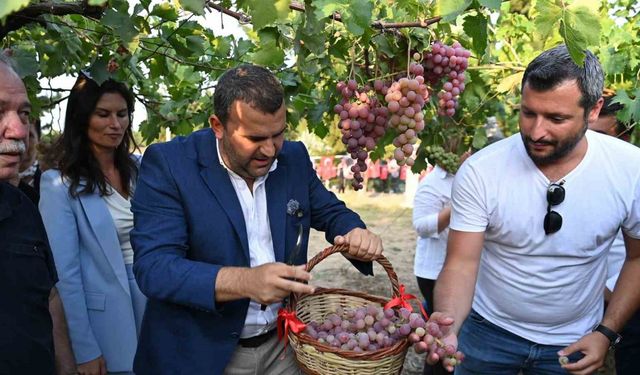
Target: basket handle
[(381, 260)]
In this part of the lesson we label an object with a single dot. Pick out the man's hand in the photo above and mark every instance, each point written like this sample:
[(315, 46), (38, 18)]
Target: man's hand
[(448, 337), (594, 346), (97, 366), (363, 244), (272, 282)]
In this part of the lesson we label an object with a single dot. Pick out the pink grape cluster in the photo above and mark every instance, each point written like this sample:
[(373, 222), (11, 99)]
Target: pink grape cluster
[(371, 328), (405, 99), (363, 120), (429, 338), (450, 63)]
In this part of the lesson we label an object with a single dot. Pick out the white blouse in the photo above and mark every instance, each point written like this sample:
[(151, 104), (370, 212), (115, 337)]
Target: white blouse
[(120, 209)]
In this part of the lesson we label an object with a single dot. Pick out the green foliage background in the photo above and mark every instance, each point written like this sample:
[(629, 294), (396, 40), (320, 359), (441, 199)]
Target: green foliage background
[(172, 61)]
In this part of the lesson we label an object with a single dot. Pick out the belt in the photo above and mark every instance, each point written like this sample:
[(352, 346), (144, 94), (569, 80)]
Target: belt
[(255, 341)]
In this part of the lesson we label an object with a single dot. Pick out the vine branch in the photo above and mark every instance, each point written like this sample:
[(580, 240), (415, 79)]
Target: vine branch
[(299, 7), (35, 11)]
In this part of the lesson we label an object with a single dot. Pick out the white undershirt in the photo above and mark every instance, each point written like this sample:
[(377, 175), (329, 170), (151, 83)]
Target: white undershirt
[(120, 210), (256, 218)]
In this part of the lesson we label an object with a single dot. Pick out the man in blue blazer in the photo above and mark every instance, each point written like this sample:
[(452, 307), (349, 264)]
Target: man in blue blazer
[(216, 220)]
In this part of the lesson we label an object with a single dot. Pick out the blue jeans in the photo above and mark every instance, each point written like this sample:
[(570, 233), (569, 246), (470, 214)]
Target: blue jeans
[(491, 350)]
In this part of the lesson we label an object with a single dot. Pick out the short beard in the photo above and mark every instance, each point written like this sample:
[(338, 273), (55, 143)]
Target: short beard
[(563, 148)]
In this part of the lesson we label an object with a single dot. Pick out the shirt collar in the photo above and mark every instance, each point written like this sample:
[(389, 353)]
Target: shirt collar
[(234, 174)]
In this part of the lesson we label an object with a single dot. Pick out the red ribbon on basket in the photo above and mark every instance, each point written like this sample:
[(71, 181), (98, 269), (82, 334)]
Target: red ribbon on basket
[(402, 299), (287, 320)]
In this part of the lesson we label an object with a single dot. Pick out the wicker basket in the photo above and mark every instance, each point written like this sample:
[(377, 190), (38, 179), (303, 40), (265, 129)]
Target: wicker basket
[(317, 358)]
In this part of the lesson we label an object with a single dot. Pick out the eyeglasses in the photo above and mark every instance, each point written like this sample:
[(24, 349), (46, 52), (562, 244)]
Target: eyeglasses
[(555, 196)]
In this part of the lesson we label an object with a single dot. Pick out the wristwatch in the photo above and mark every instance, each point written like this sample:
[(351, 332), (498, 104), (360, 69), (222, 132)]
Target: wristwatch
[(614, 337)]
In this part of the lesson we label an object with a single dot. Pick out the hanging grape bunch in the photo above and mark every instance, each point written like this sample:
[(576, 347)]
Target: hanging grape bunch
[(446, 160), (363, 120), (447, 63), (405, 99), (371, 328)]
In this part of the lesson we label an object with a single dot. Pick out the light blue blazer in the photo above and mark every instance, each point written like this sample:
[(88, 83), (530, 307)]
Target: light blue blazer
[(93, 282)]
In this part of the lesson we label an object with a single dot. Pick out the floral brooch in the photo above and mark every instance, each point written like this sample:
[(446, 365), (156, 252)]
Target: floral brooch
[(293, 208)]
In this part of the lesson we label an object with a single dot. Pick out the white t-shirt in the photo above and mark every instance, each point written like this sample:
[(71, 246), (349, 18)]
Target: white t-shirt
[(432, 195), (615, 260), (546, 288)]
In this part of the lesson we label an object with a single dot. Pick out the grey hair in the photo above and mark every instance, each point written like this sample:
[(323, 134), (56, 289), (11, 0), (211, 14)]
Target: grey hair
[(9, 63), (555, 66)]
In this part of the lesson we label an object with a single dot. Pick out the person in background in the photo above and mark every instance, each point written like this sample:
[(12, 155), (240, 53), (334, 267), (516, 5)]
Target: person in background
[(33, 329), (627, 353), (522, 283), (85, 206), (28, 180), (217, 218)]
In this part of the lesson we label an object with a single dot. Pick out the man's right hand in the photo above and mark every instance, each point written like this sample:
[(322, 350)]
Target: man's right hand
[(448, 337), (272, 282), (97, 366)]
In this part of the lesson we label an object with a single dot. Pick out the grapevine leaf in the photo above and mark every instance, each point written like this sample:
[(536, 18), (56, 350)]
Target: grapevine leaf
[(26, 63), (121, 25), (325, 8), (382, 44), (479, 138), (97, 2), (194, 6), (9, 6), (491, 4), (264, 13), (631, 110), (510, 82), (269, 54), (357, 17), (476, 27), (450, 9), (548, 16), (586, 24), (165, 11)]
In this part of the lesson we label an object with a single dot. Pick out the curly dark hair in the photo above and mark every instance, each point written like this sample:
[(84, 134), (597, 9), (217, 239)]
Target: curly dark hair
[(74, 157)]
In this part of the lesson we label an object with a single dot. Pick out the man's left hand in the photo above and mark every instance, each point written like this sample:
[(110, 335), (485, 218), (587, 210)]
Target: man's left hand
[(363, 244), (594, 346)]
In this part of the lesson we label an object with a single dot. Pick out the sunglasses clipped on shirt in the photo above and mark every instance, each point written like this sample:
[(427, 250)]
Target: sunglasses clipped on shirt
[(555, 196)]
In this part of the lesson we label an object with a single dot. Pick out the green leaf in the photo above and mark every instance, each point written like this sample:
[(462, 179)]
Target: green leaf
[(548, 16), (510, 82), (121, 24), (98, 69), (479, 138), (194, 6), (357, 17), (382, 44), (631, 110), (165, 11), (325, 8), (196, 44), (9, 6), (476, 27), (97, 2), (264, 13), (269, 54), (450, 9), (26, 63), (491, 4), (586, 24)]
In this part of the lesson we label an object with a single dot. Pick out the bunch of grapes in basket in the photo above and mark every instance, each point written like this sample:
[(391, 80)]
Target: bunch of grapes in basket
[(363, 121), (370, 328)]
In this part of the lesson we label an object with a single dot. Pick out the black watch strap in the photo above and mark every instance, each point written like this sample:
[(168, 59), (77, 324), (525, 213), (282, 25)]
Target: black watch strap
[(614, 337)]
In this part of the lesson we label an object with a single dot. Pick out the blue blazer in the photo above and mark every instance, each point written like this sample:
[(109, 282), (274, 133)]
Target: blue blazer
[(93, 282), (189, 224)]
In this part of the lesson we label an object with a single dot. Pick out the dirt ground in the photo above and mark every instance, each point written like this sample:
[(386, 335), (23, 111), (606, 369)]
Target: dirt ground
[(389, 216)]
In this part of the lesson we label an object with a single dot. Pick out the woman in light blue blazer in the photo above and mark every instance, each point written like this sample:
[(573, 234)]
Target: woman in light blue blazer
[(86, 211)]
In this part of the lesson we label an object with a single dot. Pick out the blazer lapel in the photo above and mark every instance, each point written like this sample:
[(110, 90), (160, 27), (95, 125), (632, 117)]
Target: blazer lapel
[(277, 207), (219, 183), (99, 219)]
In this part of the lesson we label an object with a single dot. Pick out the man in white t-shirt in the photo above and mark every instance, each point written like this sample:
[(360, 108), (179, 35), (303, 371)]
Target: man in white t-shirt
[(627, 353), (528, 237)]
